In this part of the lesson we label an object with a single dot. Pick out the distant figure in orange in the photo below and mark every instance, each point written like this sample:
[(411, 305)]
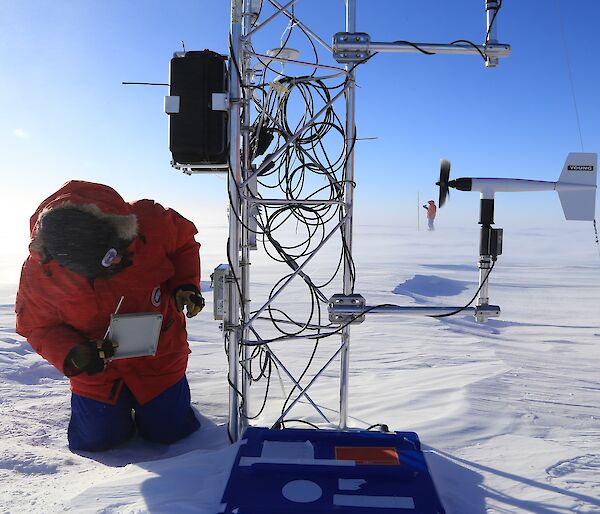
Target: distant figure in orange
[(431, 212)]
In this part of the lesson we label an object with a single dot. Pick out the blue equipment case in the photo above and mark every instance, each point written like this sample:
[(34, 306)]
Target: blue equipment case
[(328, 471)]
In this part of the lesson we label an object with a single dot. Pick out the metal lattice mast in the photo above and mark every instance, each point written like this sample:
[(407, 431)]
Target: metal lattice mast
[(238, 323), (350, 49)]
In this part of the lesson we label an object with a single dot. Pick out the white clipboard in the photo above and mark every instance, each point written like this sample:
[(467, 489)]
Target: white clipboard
[(137, 334)]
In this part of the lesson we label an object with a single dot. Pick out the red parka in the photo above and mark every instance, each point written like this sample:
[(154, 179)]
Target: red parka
[(431, 210), (57, 308)]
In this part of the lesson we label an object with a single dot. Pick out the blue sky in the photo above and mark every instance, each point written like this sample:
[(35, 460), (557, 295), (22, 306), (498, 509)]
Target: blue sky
[(66, 115)]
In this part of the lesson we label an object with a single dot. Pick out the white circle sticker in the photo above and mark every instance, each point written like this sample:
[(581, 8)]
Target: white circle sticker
[(302, 491), (156, 295), (109, 257)]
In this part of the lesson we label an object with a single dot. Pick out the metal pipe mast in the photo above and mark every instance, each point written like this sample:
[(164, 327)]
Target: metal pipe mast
[(231, 318), (347, 230)]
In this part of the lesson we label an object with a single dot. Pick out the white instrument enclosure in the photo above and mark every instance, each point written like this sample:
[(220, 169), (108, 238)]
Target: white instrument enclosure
[(137, 334)]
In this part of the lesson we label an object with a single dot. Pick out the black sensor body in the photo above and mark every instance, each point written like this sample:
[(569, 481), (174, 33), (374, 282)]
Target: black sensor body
[(490, 242)]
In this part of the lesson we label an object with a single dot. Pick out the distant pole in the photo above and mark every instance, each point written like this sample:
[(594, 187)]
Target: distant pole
[(418, 213)]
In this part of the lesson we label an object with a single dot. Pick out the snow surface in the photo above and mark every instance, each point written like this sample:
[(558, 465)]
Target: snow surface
[(507, 411)]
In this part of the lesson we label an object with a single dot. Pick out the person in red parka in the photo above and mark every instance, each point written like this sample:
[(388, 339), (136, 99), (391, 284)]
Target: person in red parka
[(88, 249), (431, 212)]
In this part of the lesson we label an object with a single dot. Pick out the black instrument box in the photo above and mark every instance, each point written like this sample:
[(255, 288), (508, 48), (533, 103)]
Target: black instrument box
[(197, 133)]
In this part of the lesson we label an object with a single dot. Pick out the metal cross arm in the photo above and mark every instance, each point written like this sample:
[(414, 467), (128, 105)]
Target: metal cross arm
[(285, 201), (264, 58), (302, 25), (303, 390), (255, 29), (317, 375), (351, 309), (295, 273), (357, 46)]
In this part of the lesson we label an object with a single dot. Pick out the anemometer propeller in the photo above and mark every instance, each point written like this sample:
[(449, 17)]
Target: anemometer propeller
[(576, 186)]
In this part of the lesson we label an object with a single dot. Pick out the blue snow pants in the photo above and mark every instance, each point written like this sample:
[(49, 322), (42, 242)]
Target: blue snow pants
[(98, 426)]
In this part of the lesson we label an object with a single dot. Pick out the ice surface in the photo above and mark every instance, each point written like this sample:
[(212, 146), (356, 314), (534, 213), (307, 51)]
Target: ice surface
[(508, 411)]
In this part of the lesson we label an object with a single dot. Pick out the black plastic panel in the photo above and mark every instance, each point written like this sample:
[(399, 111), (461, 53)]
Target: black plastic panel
[(197, 134)]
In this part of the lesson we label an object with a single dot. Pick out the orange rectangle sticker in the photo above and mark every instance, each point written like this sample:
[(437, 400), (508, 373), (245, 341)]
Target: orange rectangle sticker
[(367, 454)]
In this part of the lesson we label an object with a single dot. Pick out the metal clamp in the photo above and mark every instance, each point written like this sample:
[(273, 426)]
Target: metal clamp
[(190, 169), (486, 311), (344, 308), (351, 46)]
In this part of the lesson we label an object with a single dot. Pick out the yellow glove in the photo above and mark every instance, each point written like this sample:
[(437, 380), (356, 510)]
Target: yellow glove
[(191, 299)]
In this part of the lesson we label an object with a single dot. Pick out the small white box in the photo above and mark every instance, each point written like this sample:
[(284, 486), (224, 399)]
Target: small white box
[(137, 334), (221, 291), (220, 102)]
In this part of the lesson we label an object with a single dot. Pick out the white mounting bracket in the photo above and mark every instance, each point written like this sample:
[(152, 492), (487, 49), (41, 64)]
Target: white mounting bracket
[(220, 102), (191, 169), (172, 104)]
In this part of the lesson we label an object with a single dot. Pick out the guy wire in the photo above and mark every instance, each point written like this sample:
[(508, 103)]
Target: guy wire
[(569, 70)]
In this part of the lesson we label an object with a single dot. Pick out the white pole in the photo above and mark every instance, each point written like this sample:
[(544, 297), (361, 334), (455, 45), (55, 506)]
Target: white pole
[(349, 195), (418, 213), (245, 207), (230, 324)]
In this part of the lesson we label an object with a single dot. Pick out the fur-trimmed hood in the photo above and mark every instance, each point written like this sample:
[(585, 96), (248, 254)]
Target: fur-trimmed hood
[(96, 199)]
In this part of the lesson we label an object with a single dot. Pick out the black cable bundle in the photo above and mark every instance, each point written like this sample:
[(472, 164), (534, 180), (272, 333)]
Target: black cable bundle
[(297, 173)]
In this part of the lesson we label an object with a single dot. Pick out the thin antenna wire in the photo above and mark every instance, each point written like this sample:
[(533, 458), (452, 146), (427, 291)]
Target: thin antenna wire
[(143, 84), (289, 27), (597, 242), (564, 40), (116, 311)]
